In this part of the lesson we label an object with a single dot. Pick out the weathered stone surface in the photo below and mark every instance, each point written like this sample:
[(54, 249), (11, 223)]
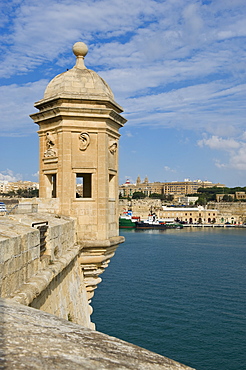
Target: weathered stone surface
[(54, 282), (32, 339)]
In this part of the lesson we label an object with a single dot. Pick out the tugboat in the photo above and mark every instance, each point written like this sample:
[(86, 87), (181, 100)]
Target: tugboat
[(153, 223)]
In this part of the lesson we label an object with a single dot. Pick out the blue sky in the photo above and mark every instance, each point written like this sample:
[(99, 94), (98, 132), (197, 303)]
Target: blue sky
[(177, 67)]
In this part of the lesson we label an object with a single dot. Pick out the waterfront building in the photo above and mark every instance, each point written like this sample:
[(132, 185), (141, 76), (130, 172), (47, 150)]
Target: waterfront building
[(190, 215)]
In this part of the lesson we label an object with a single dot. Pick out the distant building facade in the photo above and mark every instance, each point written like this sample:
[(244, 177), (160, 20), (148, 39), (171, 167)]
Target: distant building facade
[(239, 195), (175, 188), (190, 215), (7, 186), (186, 200)]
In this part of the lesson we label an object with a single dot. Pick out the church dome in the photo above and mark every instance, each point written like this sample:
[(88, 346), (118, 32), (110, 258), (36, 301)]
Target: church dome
[(79, 82)]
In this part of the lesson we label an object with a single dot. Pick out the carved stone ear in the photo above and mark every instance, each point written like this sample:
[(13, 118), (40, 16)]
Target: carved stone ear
[(85, 140), (112, 146)]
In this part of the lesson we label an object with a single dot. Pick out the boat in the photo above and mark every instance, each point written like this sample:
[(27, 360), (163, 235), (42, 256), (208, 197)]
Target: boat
[(153, 223), (128, 221)]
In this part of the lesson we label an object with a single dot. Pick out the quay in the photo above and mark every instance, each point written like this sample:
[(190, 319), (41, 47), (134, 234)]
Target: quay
[(214, 225)]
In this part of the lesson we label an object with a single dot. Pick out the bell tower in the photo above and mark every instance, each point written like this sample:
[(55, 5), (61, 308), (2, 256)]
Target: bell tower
[(79, 124)]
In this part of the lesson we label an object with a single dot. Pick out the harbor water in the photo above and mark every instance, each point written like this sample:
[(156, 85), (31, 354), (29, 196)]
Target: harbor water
[(180, 293)]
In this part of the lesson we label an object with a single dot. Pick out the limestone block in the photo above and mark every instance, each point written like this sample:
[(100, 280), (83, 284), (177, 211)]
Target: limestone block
[(10, 284), (33, 253), (10, 266), (8, 248), (32, 268)]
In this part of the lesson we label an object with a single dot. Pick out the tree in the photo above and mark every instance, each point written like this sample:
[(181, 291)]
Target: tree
[(156, 196), (227, 198), (169, 197), (202, 201), (138, 195)]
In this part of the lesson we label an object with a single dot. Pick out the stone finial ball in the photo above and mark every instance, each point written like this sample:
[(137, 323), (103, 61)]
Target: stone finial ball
[(80, 49)]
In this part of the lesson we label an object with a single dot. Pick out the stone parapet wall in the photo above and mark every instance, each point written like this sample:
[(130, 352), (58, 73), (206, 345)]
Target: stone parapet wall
[(64, 293), (63, 279), (32, 339), (52, 282), (61, 232), (50, 205), (19, 255)]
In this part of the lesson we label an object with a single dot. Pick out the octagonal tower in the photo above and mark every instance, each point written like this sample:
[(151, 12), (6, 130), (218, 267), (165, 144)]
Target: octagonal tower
[(79, 124)]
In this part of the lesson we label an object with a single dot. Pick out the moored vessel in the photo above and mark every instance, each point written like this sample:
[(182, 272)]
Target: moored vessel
[(128, 221), (153, 223)]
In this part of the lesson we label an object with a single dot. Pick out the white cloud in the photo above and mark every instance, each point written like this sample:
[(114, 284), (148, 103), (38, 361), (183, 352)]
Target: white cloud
[(236, 152), (151, 30), (238, 159), (9, 175), (34, 42), (220, 165), (36, 174), (128, 134), (168, 169), (219, 143)]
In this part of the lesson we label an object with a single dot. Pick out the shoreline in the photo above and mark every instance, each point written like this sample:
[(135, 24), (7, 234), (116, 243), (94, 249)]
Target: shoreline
[(213, 225)]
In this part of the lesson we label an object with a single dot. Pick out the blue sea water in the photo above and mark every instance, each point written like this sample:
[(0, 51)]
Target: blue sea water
[(180, 293)]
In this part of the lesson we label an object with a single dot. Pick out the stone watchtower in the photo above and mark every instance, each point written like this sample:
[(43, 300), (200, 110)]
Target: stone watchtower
[(79, 124)]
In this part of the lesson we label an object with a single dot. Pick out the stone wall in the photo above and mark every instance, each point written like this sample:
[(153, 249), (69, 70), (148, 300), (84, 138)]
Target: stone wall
[(66, 296), (53, 282), (19, 255), (231, 211), (141, 207)]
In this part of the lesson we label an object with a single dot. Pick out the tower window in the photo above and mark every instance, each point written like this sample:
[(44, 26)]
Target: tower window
[(51, 185), (112, 186), (83, 185)]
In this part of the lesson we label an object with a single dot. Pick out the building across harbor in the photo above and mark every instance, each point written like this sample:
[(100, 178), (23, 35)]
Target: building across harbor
[(175, 188)]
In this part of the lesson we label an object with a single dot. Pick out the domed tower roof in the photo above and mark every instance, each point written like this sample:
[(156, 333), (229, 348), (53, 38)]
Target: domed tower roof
[(79, 82)]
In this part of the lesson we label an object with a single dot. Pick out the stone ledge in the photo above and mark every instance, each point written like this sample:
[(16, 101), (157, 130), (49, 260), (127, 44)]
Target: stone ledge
[(102, 243), (33, 339), (35, 285)]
